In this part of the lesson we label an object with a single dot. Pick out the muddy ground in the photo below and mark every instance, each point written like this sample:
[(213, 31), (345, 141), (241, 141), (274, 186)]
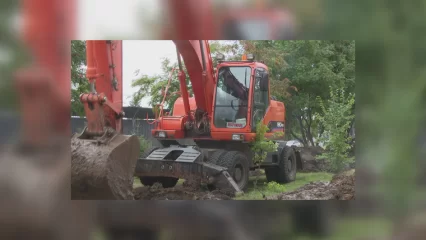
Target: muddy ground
[(185, 191), (341, 187)]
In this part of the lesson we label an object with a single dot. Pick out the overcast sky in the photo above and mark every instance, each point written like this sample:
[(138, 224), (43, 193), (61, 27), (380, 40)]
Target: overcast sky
[(146, 56)]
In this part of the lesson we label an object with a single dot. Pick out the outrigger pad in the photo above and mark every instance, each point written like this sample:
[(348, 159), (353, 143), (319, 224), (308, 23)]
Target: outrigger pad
[(103, 170)]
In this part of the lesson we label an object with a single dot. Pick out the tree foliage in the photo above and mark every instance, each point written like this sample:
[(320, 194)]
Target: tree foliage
[(232, 50), (79, 83), (336, 117), (154, 86), (261, 145), (301, 71)]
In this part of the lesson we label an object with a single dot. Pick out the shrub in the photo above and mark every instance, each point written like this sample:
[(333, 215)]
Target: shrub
[(261, 145), (144, 144), (275, 187)]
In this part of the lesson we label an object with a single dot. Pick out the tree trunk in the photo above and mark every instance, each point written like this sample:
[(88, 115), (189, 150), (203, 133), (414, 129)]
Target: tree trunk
[(295, 136), (302, 130)]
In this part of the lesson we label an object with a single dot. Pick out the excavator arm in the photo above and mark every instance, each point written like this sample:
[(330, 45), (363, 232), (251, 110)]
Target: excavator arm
[(103, 159), (104, 72)]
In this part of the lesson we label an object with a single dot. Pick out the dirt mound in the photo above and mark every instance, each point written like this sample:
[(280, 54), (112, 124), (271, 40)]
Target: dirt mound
[(310, 161), (341, 187), (180, 192), (345, 183)]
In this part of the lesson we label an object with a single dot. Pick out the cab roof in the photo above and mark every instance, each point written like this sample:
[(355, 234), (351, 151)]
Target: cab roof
[(242, 63)]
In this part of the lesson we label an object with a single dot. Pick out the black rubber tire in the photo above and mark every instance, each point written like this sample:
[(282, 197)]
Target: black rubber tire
[(214, 158), (282, 173), (148, 181), (232, 160), (166, 182)]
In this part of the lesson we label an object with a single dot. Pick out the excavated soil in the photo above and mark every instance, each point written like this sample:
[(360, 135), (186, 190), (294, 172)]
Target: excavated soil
[(341, 187), (180, 192), (310, 161)]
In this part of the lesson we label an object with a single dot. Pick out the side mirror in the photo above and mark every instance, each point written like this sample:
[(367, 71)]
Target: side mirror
[(264, 83)]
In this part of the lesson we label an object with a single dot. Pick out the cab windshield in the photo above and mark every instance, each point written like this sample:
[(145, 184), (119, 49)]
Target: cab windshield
[(232, 92)]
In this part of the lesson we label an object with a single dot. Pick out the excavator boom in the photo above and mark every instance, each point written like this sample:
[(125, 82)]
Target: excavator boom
[(198, 62)]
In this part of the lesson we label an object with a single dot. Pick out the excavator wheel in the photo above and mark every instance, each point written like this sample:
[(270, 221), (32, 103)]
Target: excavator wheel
[(166, 182), (285, 172), (103, 168), (238, 167), (214, 159)]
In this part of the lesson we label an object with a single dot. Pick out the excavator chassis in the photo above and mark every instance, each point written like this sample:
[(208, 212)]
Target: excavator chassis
[(187, 163)]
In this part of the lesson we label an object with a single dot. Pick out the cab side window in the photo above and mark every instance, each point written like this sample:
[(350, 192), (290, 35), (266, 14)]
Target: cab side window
[(260, 97)]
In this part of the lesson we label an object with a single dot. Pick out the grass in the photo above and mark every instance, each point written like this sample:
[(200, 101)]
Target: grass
[(272, 189)]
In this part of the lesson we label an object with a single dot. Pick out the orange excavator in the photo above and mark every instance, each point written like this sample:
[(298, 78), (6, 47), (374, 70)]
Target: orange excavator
[(206, 139)]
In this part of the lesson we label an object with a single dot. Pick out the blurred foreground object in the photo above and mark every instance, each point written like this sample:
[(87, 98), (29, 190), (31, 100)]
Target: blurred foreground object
[(201, 220), (192, 19), (35, 173)]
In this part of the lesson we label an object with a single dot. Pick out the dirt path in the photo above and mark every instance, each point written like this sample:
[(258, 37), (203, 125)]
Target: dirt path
[(341, 187)]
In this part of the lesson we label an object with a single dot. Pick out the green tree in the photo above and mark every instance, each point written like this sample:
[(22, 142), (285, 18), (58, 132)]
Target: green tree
[(79, 83), (232, 50), (336, 117), (154, 86), (302, 70)]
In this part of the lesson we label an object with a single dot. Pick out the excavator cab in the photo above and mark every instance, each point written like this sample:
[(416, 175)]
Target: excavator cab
[(237, 92)]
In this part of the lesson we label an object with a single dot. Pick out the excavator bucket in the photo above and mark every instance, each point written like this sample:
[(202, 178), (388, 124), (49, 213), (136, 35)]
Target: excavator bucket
[(103, 168)]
